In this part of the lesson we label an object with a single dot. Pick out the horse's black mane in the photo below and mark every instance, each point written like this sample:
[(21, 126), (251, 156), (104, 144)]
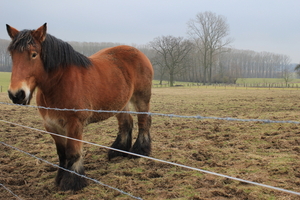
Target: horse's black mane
[(55, 53)]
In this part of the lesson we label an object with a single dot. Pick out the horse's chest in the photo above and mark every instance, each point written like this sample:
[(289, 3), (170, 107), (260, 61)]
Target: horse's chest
[(55, 125)]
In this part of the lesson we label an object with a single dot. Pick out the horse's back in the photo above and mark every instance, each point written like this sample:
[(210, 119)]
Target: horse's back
[(131, 62), (125, 54)]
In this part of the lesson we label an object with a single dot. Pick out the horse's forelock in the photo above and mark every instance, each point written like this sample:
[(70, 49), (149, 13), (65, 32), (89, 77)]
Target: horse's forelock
[(22, 41)]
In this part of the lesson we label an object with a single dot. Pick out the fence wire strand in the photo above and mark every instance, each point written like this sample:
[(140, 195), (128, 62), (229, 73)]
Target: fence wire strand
[(10, 191), (159, 160), (157, 114)]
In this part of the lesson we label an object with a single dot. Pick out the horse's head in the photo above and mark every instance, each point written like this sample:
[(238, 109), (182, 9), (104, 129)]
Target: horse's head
[(27, 69)]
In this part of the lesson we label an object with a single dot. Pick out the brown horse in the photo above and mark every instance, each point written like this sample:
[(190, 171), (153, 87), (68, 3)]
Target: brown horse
[(108, 80)]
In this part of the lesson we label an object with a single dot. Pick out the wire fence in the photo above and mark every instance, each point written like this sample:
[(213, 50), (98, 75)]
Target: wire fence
[(17, 197), (156, 114), (147, 157)]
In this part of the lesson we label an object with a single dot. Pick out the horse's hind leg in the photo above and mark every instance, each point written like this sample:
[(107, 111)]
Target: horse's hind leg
[(142, 144), (124, 137)]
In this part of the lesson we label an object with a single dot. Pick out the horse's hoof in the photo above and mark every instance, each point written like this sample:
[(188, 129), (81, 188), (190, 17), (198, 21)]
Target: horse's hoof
[(73, 182), (112, 154), (141, 151)]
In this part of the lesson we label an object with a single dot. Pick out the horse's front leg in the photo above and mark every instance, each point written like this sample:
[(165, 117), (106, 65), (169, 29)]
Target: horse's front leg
[(61, 152), (74, 158), (70, 158)]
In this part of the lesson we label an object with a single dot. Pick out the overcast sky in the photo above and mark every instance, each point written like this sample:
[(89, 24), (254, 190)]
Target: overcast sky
[(259, 25)]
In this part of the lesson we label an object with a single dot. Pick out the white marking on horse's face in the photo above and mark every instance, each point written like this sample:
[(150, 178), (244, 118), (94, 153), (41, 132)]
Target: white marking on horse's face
[(24, 89)]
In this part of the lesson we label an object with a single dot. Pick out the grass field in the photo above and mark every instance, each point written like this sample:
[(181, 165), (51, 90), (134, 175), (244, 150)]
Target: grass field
[(264, 80), (5, 78), (249, 82), (4, 81), (267, 153)]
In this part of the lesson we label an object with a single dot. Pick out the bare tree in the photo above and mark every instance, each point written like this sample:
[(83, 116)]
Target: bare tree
[(170, 54), (159, 67), (286, 72), (209, 32), (5, 60), (297, 69), (287, 76)]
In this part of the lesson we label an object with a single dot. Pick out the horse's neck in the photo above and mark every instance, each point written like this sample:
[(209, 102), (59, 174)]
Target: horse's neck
[(51, 81)]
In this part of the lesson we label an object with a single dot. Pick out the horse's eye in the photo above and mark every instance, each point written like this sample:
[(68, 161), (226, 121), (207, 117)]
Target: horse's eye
[(33, 55)]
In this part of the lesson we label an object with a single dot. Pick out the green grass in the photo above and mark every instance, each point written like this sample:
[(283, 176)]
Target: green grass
[(264, 80), (4, 81), (250, 81)]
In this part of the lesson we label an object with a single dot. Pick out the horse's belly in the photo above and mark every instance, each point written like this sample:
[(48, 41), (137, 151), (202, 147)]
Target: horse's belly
[(97, 117)]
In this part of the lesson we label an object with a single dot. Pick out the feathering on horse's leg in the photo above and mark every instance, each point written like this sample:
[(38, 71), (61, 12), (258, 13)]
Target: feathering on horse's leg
[(61, 151), (74, 159), (142, 144), (124, 137)]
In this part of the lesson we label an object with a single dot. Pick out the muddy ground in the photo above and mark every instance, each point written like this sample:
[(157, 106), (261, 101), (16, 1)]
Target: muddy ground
[(267, 153)]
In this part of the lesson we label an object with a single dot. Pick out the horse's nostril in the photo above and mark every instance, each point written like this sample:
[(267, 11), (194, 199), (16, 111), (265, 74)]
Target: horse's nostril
[(18, 97), (21, 95)]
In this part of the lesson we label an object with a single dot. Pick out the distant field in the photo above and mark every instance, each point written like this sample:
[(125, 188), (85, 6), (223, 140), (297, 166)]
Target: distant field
[(4, 80), (249, 81), (264, 80)]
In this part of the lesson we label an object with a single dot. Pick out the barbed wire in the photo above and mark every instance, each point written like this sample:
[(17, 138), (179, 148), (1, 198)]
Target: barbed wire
[(159, 160), (157, 114), (73, 172), (10, 191)]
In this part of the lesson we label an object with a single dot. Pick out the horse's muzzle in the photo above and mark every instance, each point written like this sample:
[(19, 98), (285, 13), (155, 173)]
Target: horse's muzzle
[(18, 98)]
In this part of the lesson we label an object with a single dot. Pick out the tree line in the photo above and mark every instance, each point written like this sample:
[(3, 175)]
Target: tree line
[(5, 60), (204, 56)]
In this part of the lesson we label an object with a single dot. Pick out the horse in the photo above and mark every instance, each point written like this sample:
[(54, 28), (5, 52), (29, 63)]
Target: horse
[(111, 79)]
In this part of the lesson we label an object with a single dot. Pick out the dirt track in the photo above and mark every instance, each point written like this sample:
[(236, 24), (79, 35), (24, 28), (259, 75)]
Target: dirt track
[(264, 153)]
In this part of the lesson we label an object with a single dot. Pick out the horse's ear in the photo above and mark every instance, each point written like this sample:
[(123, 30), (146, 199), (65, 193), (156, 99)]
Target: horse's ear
[(12, 32), (40, 33)]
